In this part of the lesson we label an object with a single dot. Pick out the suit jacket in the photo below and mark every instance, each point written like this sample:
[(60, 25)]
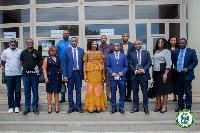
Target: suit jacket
[(112, 66), (131, 47), (190, 62), (68, 64), (145, 62)]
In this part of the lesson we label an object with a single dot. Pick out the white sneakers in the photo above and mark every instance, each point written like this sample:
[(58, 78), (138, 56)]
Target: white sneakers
[(16, 109), (11, 110)]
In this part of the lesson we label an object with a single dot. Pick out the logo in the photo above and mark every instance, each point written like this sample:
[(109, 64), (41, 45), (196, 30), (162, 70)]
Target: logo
[(185, 118)]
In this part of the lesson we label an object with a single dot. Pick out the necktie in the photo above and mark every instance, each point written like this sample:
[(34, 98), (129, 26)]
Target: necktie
[(117, 58), (179, 65), (139, 57), (75, 60)]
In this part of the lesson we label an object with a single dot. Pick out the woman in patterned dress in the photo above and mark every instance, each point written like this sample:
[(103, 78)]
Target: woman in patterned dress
[(95, 98)]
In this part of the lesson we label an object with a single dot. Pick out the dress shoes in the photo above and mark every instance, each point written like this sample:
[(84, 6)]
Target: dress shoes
[(163, 111), (79, 110), (71, 110), (62, 100), (128, 99), (177, 110), (113, 111), (108, 98), (26, 112), (146, 111), (121, 111), (134, 110), (35, 111), (157, 110)]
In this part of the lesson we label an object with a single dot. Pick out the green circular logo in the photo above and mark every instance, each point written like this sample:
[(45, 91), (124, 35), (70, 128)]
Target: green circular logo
[(185, 118)]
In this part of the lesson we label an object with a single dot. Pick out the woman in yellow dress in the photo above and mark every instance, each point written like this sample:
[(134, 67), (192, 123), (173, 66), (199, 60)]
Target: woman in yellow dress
[(95, 98)]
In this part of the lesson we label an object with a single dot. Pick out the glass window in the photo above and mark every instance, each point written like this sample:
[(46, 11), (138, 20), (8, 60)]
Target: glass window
[(174, 30), (157, 28), (112, 41), (45, 31), (141, 34), (154, 44), (95, 28), (106, 12), (57, 14), (14, 2), (54, 1), (103, 0), (26, 35), (186, 11), (171, 11), (15, 30), (15, 16), (187, 31)]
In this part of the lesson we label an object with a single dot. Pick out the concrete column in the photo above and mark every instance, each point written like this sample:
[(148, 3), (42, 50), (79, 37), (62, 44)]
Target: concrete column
[(194, 37)]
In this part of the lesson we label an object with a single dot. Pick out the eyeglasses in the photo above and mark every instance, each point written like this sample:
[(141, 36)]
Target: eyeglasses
[(161, 42), (116, 45), (29, 42), (13, 41), (52, 50)]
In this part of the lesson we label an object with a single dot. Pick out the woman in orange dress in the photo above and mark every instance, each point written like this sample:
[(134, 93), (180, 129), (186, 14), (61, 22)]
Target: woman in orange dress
[(95, 98)]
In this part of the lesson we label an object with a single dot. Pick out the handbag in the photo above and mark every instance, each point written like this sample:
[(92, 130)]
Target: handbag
[(151, 92), (63, 88)]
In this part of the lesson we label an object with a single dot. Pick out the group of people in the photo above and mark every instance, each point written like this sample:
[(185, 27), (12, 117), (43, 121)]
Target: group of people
[(122, 65)]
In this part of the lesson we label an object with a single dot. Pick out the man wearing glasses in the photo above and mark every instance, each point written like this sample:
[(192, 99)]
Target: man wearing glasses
[(31, 61), (10, 61), (117, 66)]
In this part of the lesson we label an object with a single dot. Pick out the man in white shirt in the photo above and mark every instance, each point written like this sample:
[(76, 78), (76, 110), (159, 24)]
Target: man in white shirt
[(10, 60)]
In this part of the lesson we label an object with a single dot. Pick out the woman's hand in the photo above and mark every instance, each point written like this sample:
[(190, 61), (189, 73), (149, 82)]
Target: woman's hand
[(46, 81), (103, 77), (164, 78), (85, 78)]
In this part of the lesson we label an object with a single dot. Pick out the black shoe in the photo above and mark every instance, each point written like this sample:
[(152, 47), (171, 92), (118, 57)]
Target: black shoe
[(62, 100), (121, 111), (128, 99), (79, 110), (146, 111), (26, 112), (49, 112), (163, 111), (113, 111), (174, 100), (71, 110), (157, 110), (35, 111), (57, 110), (134, 110), (98, 111), (179, 109)]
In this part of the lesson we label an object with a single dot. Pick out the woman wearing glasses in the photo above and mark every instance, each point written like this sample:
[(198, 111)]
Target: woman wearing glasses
[(52, 75), (161, 74)]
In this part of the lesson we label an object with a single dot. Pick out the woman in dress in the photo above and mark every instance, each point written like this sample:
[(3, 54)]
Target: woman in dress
[(161, 74), (174, 49), (52, 75), (95, 98)]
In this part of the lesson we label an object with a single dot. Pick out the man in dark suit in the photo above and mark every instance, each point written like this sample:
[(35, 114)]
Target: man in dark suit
[(127, 47), (139, 64), (117, 66), (73, 73), (187, 61)]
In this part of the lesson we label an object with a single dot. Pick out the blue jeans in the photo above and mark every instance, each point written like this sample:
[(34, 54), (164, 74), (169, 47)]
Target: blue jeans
[(13, 84), (28, 83)]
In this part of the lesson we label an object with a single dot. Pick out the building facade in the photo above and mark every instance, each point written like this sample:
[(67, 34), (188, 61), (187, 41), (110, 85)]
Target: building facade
[(146, 20)]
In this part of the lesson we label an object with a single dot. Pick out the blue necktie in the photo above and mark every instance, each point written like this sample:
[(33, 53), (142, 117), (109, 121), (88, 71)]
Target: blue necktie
[(179, 65), (75, 60)]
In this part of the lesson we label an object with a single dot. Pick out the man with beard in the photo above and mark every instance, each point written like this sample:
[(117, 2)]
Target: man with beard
[(61, 46), (10, 61), (126, 48), (106, 49)]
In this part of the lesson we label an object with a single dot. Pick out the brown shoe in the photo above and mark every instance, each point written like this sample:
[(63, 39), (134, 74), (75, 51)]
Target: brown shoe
[(108, 98)]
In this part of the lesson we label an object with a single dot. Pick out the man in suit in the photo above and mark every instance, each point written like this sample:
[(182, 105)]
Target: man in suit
[(117, 66), (127, 47), (187, 61), (73, 73), (139, 64)]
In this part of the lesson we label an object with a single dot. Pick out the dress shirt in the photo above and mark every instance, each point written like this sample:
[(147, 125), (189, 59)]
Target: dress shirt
[(115, 54), (184, 51), (140, 59), (76, 56)]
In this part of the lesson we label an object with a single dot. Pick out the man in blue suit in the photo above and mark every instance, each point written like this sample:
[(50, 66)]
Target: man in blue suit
[(127, 47), (139, 64), (73, 73), (187, 61), (117, 66)]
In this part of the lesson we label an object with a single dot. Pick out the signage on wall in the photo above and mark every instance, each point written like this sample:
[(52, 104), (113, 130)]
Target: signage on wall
[(106, 31), (9, 34), (45, 48), (56, 33)]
